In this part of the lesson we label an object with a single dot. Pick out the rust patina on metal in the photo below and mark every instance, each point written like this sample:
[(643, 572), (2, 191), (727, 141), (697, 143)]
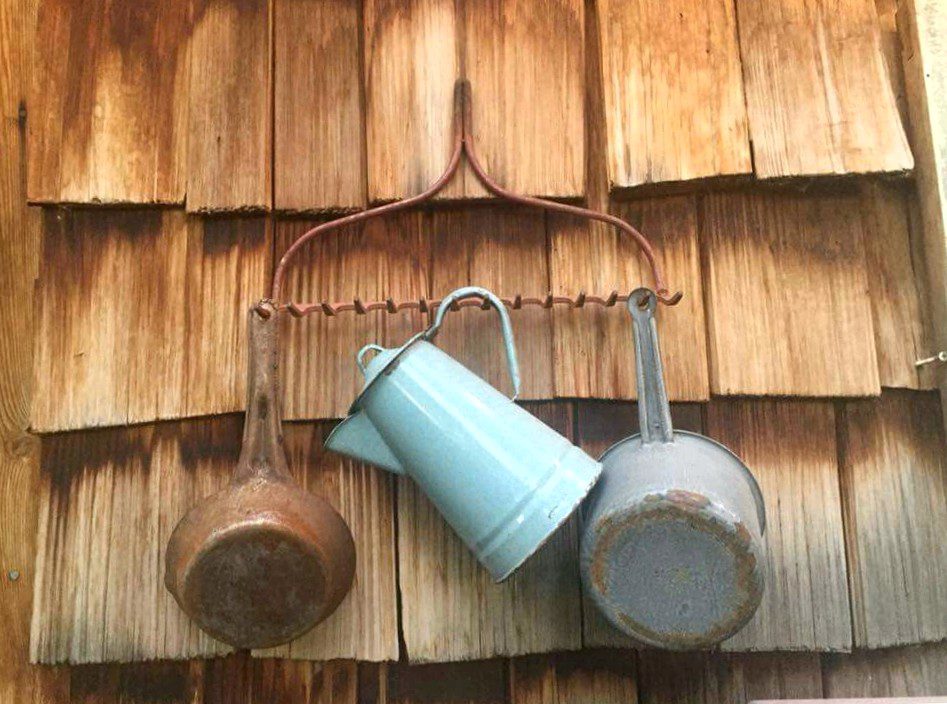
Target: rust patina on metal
[(672, 548), (694, 512), (262, 561)]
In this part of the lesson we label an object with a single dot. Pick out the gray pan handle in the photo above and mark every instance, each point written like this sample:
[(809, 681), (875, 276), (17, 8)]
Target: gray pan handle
[(654, 412)]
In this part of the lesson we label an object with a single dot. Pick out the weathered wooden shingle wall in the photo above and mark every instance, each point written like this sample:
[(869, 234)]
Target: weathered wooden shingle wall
[(755, 173)]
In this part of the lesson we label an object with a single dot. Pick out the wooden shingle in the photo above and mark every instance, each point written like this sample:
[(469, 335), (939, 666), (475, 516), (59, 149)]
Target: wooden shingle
[(480, 682), (110, 500), (526, 65), (817, 92), (319, 130), (238, 679), (594, 350), (108, 109), (412, 58), (894, 479), (450, 607), (787, 295), (899, 672), (142, 314), (898, 300), (230, 129), (673, 91), (790, 447), (589, 676), (372, 261), (706, 678)]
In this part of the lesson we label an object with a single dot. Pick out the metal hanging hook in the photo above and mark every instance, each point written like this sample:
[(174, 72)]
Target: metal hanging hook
[(463, 147)]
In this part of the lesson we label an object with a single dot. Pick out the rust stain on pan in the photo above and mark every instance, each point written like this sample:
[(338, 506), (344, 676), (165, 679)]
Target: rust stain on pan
[(696, 510)]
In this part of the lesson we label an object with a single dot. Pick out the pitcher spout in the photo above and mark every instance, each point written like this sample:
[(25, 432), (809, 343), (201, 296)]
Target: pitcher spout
[(358, 438)]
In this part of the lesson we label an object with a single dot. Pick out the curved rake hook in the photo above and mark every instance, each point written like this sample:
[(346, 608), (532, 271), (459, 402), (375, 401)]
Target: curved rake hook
[(463, 146)]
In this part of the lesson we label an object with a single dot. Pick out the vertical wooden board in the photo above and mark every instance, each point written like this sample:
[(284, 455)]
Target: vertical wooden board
[(787, 295), (674, 100), (365, 625), (504, 251), (241, 680), (589, 676), (319, 123), (107, 111), (526, 66), (600, 425), (228, 267), (790, 447), (412, 58), (110, 325), (818, 96), (142, 315), (593, 346), (458, 683), (450, 607), (139, 683), (108, 504), (19, 451), (894, 479), (922, 28), (917, 671), (887, 11), (706, 678), (230, 127), (898, 300), (380, 259)]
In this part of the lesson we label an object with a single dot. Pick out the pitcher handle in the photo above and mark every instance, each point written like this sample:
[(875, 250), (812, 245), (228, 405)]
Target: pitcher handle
[(654, 411), (478, 292)]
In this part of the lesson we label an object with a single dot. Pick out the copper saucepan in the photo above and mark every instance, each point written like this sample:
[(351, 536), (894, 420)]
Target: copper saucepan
[(262, 561)]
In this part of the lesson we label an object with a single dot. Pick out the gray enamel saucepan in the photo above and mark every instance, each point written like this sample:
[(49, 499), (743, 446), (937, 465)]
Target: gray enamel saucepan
[(672, 547)]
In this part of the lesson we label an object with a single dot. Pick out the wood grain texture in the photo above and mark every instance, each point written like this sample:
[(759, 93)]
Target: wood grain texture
[(674, 100), (109, 502), (898, 296), (790, 270), (704, 678), (230, 126), (600, 425), (319, 152), (894, 479), (594, 355), (922, 27), (19, 451), (899, 672), (227, 270), (108, 108), (141, 315), (480, 682), (589, 676), (450, 607), (365, 625), (139, 683), (525, 63), (790, 446), (502, 249), (111, 318), (377, 260), (412, 58), (241, 680), (818, 96)]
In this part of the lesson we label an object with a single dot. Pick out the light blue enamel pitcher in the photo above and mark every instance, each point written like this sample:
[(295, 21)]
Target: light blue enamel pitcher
[(501, 477)]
